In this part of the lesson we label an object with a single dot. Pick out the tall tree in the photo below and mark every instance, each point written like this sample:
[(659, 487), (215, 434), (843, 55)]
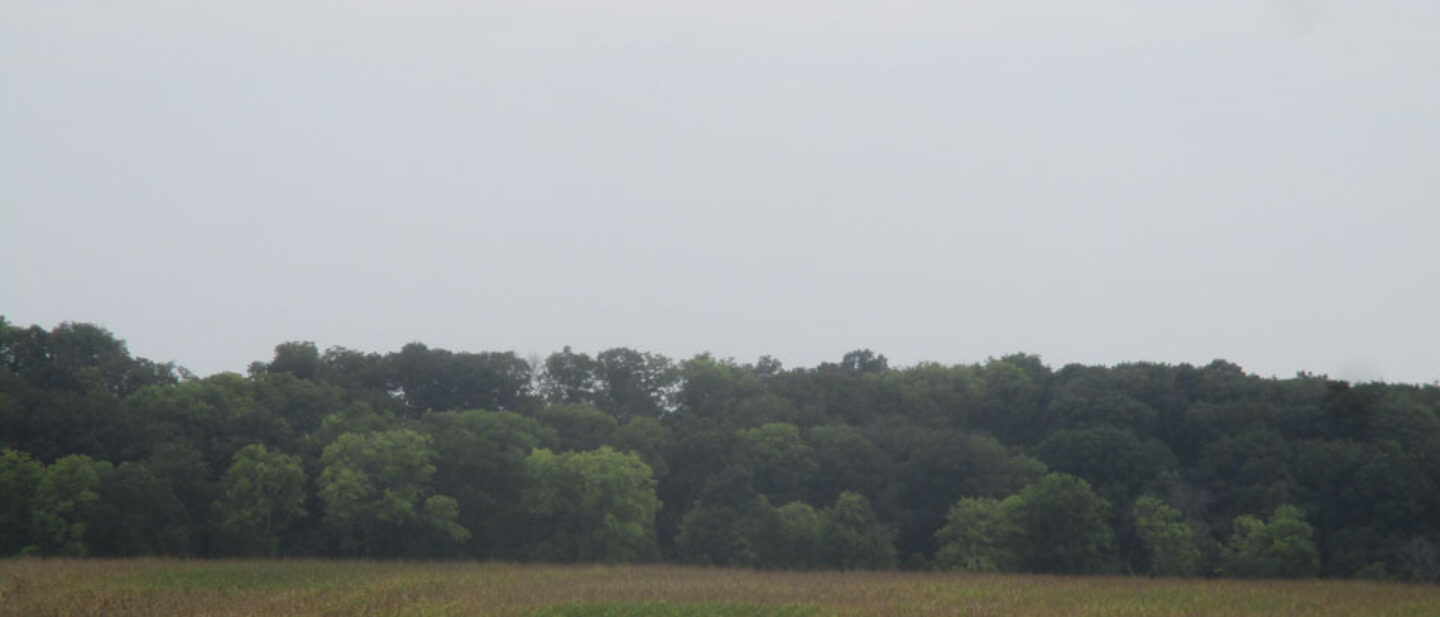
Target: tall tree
[(1168, 542), (1064, 527), (598, 505), (378, 498), (978, 536), (64, 510), (264, 494), (20, 476)]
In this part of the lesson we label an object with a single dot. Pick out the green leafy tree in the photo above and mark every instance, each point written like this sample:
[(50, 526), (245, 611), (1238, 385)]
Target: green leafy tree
[(377, 492), (780, 462), (1167, 541), (633, 384), (481, 463), (20, 476), (597, 505), (138, 514), (978, 536), (845, 460), (581, 427), (1064, 527), (569, 377), (298, 358), (942, 466), (854, 537), (181, 467), (714, 535), (64, 509), (1114, 461), (1281, 547), (647, 438), (792, 537), (264, 494)]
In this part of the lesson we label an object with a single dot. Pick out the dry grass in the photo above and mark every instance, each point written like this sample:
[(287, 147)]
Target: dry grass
[(147, 587)]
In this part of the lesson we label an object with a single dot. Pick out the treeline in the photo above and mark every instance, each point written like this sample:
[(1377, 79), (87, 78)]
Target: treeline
[(1008, 465)]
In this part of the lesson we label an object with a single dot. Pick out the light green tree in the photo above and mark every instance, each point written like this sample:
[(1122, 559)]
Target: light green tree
[(1282, 547), (978, 536), (65, 504), (596, 505), (377, 492), (1165, 538), (264, 493)]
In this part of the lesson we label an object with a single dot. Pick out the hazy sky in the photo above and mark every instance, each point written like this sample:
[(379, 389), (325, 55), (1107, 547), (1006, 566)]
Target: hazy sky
[(940, 180)]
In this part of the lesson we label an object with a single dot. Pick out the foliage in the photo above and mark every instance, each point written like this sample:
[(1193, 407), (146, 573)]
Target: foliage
[(1281, 547), (978, 536), (427, 452), (264, 493), (1063, 525), (65, 505), (1168, 542), (596, 505), (854, 538), (20, 476), (377, 492)]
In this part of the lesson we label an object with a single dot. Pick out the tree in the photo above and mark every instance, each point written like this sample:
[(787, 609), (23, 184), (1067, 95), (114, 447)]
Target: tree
[(569, 377), (20, 476), (647, 438), (854, 538), (376, 488), (581, 427), (1282, 547), (780, 462), (138, 514), (715, 535), (978, 536), (792, 537), (480, 461), (634, 384), (845, 460), (597, 505), (298, 358), (1167, 541), (1064, 527), (64, 507), (264, 494), (1114, 461)]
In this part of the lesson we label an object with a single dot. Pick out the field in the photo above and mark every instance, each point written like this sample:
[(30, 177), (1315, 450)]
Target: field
[(142, 587)]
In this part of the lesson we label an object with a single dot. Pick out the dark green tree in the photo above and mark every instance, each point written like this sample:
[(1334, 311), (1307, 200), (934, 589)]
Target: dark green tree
[(20, 476), (1064, 527)]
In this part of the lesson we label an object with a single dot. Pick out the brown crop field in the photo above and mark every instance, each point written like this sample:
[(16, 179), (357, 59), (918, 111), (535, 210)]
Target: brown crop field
[(144, 587)]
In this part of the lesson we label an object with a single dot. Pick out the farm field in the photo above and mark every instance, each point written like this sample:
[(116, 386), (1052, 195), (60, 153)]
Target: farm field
[(143, 587)]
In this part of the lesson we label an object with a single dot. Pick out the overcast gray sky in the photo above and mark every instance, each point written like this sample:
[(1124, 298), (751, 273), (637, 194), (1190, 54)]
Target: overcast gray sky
[(1092, 182)]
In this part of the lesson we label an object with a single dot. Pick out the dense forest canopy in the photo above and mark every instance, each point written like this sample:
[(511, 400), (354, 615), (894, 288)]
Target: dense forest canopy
[(1008, 465)]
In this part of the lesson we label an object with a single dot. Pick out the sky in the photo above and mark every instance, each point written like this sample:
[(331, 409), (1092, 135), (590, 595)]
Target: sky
[(937, 180)]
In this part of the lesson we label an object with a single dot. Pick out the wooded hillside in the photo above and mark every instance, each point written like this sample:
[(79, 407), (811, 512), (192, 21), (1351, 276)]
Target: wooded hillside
[(1009, 465)]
